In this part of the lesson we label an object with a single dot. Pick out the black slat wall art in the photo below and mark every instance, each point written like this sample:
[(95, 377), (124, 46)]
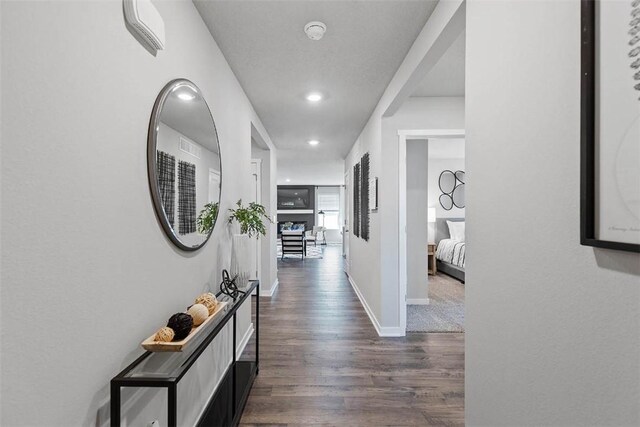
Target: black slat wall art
[(364, 192), (356, 199)]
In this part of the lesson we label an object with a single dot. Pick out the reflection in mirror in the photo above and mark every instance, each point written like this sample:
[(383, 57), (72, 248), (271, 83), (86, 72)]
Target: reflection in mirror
[(458, 196), (447, 181), (184, 164), (446, 202), (460, 176)]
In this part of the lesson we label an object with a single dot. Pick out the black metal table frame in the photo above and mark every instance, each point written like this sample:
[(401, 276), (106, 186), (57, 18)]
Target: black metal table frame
[(171, 383)]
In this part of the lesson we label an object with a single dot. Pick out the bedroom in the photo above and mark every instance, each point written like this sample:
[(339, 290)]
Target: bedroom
[(436, 218)]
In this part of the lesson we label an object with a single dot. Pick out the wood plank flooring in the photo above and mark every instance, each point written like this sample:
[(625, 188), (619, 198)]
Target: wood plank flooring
[(322, 362)]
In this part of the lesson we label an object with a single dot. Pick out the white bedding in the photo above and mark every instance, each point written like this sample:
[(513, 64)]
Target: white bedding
[(451, 251)]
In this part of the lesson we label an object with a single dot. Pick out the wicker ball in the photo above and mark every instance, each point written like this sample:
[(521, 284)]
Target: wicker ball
[(199, 313), (164, 334), (181, 323), (209, 300)]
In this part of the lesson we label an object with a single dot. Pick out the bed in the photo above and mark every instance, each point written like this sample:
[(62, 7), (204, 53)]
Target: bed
[(450, 253)]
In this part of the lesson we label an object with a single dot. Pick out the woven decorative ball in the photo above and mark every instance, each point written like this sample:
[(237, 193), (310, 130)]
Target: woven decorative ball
[(181, 323), (199, 312), (209, 300), (164, 334)]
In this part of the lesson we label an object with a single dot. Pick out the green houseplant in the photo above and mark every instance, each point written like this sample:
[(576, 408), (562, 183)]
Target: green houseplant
[(250, 218), (207, 218)]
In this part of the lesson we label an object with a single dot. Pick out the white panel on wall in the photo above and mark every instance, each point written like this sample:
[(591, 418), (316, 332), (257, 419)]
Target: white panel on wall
[(553, 327)]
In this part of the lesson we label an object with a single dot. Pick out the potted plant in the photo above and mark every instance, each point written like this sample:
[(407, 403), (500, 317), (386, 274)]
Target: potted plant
[(251, 220), (207, 218)]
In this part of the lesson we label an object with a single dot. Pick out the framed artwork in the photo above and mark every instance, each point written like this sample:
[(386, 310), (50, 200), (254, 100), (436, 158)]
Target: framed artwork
[(361, 198), (356, 199), (364, 194), (610, 125)]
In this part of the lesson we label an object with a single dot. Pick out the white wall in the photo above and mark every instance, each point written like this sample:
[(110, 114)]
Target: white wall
[(87, 272), (417, 225), (380, 139), (269, 274), (552, 327)]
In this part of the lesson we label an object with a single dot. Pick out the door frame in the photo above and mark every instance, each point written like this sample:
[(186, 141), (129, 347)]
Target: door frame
[(403, 136), (256, 168)]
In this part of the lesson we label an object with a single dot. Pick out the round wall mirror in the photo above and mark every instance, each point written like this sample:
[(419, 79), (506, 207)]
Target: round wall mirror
[(458, 196), (446, 202), (460, 176), (447, 181), (185, 168)]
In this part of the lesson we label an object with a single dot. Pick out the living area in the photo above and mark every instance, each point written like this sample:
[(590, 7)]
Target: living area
[(309, 219)]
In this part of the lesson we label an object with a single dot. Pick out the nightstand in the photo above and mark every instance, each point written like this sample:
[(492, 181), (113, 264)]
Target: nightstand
[(431, 258)]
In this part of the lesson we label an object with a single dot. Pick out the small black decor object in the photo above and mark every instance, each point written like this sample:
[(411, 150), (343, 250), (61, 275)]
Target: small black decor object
[(181, 323), (228, 286)]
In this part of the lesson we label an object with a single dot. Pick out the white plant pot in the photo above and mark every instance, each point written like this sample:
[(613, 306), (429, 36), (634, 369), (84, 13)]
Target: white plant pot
[(240, 260)]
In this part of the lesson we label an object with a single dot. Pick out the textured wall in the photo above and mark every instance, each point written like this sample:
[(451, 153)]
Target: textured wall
[(552, 327), (87, 272), (380, 139)]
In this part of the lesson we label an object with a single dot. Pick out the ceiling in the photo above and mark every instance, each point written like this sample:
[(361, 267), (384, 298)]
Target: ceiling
[(277, 65), (321, 168), (446, 78)]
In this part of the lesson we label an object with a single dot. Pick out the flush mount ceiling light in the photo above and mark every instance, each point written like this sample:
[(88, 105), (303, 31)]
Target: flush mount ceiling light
[(314, 97), (314, 142), (315, 30)]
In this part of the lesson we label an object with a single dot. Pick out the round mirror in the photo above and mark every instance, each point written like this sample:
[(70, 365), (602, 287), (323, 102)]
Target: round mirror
[(458, 196), (460, 176), (184, 163), (446, 202), (447, 181)]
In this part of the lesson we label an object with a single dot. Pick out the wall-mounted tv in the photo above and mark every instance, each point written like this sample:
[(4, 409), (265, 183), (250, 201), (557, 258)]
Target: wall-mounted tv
[(294, 198)]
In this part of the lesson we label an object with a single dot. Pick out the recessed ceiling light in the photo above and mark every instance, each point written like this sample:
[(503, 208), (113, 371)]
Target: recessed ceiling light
[(314, 142), (315, 30), (186, 96), (288, 180), (314, 97)]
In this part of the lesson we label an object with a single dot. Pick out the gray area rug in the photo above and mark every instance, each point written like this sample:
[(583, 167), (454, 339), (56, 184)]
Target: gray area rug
[(445, 312)]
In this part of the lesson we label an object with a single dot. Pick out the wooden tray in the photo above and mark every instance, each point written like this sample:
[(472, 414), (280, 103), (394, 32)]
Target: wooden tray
[(151, 345)]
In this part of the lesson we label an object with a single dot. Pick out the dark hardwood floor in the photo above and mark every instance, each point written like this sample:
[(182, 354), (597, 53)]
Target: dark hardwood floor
[(322, 362)]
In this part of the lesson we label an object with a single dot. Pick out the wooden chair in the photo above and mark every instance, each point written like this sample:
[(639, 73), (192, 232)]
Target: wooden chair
[(293, 242)]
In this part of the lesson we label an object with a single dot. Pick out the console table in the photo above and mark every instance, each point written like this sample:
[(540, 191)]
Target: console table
[(167, 369)]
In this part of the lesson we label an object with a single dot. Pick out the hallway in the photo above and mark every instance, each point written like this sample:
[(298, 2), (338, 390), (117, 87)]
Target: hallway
[(322, 362)]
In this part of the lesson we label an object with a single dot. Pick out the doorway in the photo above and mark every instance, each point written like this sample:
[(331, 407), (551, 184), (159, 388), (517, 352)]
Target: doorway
[(256, 197), (403, 137)]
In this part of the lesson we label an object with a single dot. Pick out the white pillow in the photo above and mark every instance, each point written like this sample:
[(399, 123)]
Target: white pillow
[(456, 230)]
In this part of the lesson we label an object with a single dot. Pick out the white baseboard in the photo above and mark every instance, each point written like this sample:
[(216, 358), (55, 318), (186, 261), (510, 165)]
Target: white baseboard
[(383, 331), (243, 342), (418, 301), (269, 292)]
